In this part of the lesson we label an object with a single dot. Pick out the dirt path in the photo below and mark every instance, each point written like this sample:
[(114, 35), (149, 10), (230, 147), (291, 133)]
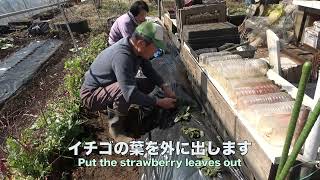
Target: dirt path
[(99, 129)]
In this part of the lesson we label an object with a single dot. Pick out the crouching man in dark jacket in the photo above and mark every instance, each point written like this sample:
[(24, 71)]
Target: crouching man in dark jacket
[(110, 80)]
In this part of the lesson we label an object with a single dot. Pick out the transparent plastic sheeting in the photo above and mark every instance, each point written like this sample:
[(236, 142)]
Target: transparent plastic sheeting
[(167, 130), (9, 6)]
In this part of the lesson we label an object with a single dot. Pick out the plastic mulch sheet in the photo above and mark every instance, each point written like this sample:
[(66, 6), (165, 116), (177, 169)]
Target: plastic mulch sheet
[(20, 67), (167, 130)]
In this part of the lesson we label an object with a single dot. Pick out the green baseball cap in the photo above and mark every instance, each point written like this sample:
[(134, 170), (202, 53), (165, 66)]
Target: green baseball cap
[(153, 31)]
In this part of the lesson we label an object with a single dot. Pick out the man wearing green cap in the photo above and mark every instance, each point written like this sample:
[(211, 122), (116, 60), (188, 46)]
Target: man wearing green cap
[(111, 82)]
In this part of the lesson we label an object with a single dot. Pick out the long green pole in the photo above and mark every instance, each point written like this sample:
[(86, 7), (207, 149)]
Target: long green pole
[(302, 138), (306, 70)]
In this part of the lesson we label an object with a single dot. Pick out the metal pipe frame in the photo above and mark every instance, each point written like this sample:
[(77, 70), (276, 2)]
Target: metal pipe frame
[(30, 10)]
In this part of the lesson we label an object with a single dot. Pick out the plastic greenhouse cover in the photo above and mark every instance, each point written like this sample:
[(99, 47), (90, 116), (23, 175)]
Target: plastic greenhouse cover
[(166, 130), (8, 6)]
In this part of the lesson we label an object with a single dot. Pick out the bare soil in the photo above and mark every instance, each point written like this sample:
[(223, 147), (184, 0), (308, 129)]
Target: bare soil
[(19, 41), (100, 131), (21, 111)]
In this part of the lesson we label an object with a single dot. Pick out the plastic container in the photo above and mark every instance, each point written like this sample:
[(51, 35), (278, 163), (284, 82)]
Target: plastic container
[(231, 69), (273, 128), (231, 84), (246, 101), (255, 112), (214, 68), (208, 60), (204, 56), (257, 89), (248, 81), (254, 90), (263, 116), (264, 109)]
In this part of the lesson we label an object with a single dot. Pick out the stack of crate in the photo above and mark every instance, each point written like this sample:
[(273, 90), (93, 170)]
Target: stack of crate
[(206, 26), (201, 14)]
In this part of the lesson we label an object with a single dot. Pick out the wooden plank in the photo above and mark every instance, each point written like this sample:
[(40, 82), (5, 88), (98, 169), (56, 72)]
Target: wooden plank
[(232, 123), (175, 40), (262, 169), (169, 23), (213, 100), (289, 88), (293, 73), (301, 55), (310, 4), (274, 50), (298, 55), (179, 23), (302, 25), (185, 13)]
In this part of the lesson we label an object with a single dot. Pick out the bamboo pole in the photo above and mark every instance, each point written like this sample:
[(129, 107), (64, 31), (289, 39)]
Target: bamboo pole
[(306, 70), (302, 138), (312, 142)]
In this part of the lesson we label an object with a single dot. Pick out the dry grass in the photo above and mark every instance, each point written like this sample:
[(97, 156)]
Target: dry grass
[(236, 7), (97, 19)]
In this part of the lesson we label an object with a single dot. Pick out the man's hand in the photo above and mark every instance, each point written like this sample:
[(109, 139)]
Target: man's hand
[(166, 103), (167, 91)]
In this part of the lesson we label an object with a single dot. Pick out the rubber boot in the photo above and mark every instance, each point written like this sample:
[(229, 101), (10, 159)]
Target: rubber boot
[(117, 129), (134, 124)]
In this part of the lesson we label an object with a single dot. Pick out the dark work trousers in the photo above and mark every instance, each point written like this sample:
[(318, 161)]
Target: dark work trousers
[(111, 96)]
